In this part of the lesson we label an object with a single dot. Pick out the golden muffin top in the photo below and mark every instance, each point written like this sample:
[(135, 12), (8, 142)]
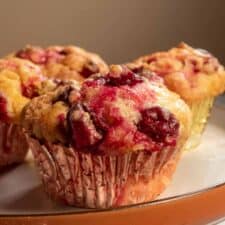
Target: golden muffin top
[(20, 81), (112, 113), (64, 62), (194, 74)]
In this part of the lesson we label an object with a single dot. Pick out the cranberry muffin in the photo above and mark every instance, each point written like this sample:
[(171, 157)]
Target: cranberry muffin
[(64, 62), (194, 74), (115, 142), (20, 81)]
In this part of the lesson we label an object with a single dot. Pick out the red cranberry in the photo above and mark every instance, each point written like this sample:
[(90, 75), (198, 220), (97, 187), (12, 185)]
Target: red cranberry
[(40, 56), (36, 56), (141, 71), (89, 69), (61, 118), (126, 78), (3, 110), (68, 95), (95, 82), (64, 96), (63, 52), (151, 59), (84, 133), (160, 126), (29, 89), (137, 69), (61, 124)]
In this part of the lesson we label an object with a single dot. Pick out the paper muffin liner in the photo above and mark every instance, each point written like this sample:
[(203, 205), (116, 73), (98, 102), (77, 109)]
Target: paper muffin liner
[(200, 114), (102, 181), (13, 144)]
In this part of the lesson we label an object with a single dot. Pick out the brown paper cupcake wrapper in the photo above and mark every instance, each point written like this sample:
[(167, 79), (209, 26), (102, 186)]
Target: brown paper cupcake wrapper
[(13, 144), (93, 181)]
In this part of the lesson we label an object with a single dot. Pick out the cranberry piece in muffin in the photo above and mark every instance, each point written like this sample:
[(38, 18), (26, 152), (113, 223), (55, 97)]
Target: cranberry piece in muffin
[(160, 125), (68, 62), (36, 55), (126, 77), (84, 132), (3, 109), (89, 68)]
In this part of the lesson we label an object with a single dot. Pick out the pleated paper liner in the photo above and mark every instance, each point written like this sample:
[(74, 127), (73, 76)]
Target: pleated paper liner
[(103, 181), (13, 144)]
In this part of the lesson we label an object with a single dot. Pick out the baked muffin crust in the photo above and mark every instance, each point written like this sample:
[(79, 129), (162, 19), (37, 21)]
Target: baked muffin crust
[(114, 113), (194, 74), (64, 62), (20, 80)]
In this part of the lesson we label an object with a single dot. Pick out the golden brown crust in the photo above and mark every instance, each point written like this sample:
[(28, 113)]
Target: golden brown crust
[(13, 144), (20, 80), (192, 73), (100, 109), (44, 116), (64, 62)]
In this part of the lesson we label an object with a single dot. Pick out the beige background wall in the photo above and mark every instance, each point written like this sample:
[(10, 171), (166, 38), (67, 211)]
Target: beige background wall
[(118, 30)]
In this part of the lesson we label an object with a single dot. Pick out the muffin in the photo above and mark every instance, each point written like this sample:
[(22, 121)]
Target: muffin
[(194, 74), (64, 62), (20, 81), (115, 142)]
